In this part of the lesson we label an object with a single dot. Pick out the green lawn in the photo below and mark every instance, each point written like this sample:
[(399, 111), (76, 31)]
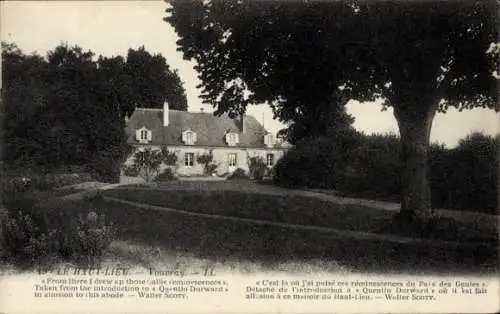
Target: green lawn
[(229, 241)]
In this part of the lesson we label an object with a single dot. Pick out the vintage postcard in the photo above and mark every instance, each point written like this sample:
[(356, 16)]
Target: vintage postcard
[(238, 156)]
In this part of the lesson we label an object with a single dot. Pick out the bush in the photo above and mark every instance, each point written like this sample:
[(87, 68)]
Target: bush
[(92, 237), (34, 234), (374, 166), (166, 175), (257, 168), (466, 177), (206, 160), (131, 171), (238, 174), (105, 168), (148, 162), (42, 239), (314, 162), (210, 169), (462, 178)]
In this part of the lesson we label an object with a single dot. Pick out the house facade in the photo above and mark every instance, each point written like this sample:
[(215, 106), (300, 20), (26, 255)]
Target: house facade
[(232, 142)]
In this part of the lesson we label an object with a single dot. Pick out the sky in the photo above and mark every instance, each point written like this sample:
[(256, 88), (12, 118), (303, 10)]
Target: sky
[(112, 27)]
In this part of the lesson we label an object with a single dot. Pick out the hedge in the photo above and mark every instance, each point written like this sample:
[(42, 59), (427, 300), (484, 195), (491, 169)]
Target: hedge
[(461, 178)]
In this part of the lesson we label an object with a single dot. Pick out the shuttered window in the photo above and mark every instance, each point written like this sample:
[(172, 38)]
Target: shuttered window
[(189, 159)]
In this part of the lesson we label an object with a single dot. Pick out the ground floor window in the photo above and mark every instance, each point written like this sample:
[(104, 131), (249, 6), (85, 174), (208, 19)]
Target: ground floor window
[(141, 157), (231, 159), (270, 160), (189, 159)]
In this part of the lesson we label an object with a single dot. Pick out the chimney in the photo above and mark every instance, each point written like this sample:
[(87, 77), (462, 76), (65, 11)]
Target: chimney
[(241, 122), (165, 114)]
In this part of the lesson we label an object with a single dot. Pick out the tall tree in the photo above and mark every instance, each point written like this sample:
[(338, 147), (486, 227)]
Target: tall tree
[(420, 56), (24, 95), (150, 81), (66, 108)]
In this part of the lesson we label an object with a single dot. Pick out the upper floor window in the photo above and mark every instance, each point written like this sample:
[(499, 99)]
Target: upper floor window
[(143, 135), (189, 137), (231, 138), (269, 140), (270, 160)]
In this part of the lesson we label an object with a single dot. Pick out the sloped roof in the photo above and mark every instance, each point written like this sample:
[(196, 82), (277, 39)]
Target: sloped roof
[(210, 130)]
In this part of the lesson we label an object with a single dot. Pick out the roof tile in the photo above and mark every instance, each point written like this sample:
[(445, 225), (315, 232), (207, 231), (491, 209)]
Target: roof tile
[(210, 129)]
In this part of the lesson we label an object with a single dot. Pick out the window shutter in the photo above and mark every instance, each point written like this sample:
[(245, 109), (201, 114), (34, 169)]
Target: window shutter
[(184, 137), (236, 138), (138, 134), (268, 140), (150, 135), (194, 137)]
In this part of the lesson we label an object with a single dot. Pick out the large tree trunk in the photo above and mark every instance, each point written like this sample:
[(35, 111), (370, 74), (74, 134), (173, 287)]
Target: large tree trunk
[(415, 123)]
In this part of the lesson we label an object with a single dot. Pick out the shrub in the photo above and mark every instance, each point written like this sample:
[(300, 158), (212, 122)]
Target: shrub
[(169, 158), (91, 238), (314, 162), (130, 171), (105, 168), (30, 241), (148, 162), (166, 175), (466, 177), (34, 234), (374, 166), (462, 178), (238, 174), (24, 242), (207, 161), (257, 168)]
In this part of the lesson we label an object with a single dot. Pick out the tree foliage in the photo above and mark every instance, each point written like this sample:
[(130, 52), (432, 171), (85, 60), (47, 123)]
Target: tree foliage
[(207, 160), (257, 167), (68, 107), (302, 56), (148, 163)]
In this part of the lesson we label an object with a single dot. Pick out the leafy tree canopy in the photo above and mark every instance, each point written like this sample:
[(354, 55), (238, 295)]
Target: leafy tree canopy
[(420, 56), (68, 106), (284, 52)]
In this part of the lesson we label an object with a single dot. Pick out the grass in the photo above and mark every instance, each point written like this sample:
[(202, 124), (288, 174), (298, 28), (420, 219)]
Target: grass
[(271, 246), (289, 209), (246, 245), (292, 209)]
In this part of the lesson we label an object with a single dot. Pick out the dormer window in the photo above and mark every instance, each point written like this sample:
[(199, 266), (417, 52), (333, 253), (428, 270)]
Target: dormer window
[(143, 135), (269, 140), (189, 137), (232, 138)]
